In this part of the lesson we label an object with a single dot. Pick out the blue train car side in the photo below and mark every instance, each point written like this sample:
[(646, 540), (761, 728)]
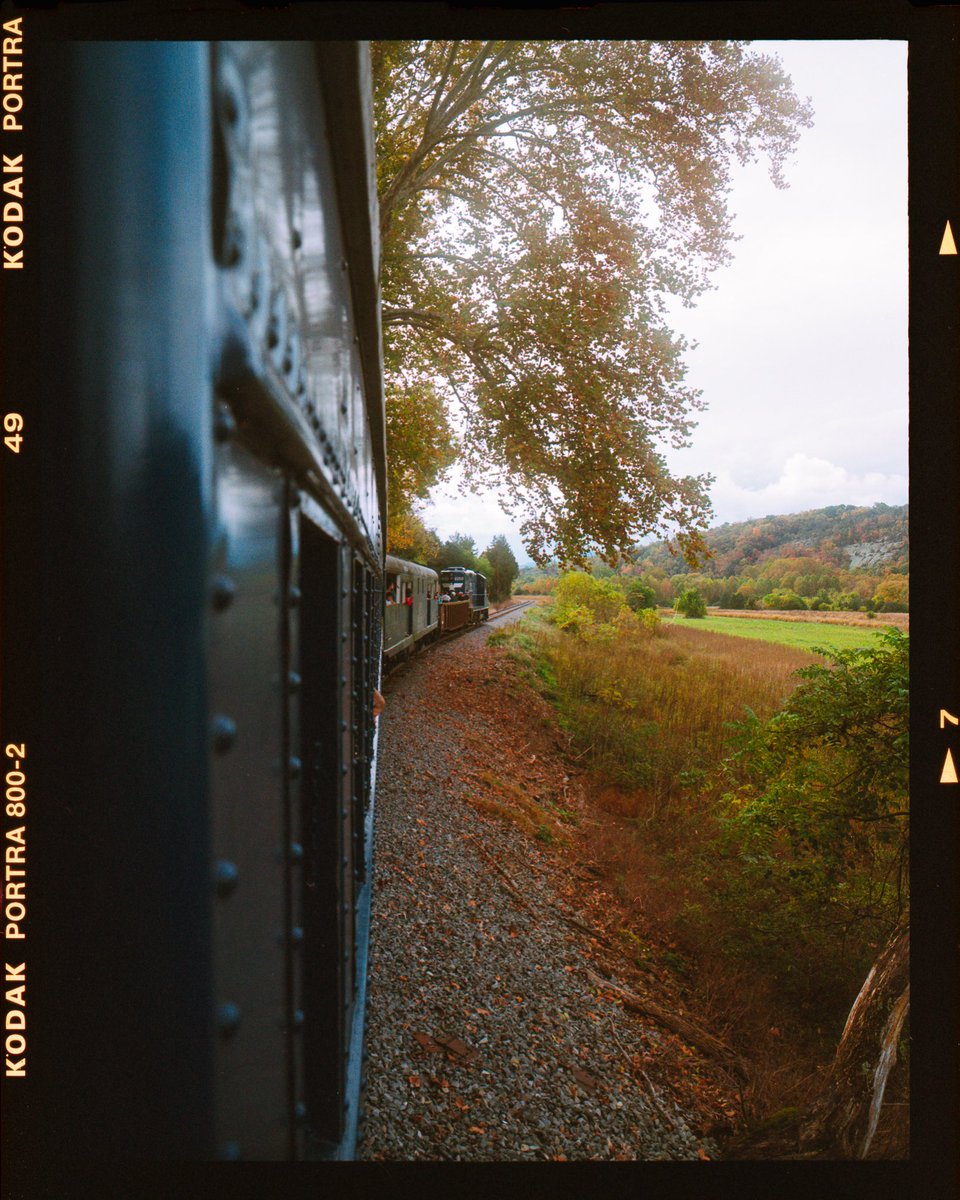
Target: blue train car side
[(202, 317)]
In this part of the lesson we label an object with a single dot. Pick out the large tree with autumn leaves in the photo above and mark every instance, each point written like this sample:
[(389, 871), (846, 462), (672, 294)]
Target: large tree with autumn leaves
[(540, 202)]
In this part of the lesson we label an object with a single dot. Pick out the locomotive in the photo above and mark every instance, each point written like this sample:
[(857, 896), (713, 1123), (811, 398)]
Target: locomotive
[(196, 526), (461, 583)]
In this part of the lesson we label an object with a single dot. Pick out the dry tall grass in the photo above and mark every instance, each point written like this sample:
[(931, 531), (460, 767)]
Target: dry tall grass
[(652, 713)]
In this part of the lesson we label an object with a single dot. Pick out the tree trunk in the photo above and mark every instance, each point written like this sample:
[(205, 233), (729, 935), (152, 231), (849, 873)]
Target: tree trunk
[(844, 1119)]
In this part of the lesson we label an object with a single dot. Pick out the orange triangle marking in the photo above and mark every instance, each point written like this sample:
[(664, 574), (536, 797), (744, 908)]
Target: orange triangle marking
[(949, 772), (948, 245)]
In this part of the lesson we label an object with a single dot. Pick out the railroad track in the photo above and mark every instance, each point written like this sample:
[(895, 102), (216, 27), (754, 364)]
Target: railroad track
[(391, 666), (502, 612)]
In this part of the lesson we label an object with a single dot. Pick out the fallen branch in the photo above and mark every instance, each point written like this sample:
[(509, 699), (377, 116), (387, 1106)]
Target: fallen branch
[(656, 1100), (686, 1029), (593, 933)]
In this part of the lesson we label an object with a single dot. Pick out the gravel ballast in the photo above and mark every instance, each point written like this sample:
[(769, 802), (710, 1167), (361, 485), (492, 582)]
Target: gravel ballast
[(485, 1039)]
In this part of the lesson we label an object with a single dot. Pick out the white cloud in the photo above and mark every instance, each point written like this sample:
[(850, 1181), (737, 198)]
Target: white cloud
[(804, 482)]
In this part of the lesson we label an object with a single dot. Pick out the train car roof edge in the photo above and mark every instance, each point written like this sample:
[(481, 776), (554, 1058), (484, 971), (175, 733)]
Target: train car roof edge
[(400, 566), (346, 83)]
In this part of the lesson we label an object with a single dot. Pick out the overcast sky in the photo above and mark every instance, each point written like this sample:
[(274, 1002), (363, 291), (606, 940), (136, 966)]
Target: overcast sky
[(801, 348)]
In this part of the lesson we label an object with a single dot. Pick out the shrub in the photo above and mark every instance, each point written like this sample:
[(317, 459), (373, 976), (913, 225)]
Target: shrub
[(591, 608), (782, 598), (814, 837)]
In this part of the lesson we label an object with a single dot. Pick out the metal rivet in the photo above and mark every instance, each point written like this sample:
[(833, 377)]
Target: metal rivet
[(225, 877), (296, 935), (293, 767), (343, 409), (343, 264), (296, 852), (293, 682), (344, 769), (224, 733), (293, 597), (343, 725), (222, 592), (296, 238), (298, 1018), (300, 1111), (229, 1152), (224, 424), (228, 1019)]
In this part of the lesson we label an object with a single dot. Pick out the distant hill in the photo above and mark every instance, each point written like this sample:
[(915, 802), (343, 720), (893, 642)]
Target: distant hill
[(843, 535)]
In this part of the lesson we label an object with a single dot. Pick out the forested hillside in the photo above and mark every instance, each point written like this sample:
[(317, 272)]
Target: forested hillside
[(842, 557), (842, 536)]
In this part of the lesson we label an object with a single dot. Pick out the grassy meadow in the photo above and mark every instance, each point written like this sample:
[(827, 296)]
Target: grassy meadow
[(802, 635)]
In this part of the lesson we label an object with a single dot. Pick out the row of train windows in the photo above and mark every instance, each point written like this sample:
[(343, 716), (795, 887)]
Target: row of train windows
[(398, 590)]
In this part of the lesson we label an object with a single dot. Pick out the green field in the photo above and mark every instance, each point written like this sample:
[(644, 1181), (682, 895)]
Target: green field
[(803, 635)]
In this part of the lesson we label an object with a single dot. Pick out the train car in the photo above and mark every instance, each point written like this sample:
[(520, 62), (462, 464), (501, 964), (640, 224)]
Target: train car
[(461, 584), (411, 617), (195, 353)]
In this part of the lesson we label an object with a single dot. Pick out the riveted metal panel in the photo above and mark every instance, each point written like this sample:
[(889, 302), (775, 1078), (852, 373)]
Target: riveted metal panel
[(249, 770), (292, 335)]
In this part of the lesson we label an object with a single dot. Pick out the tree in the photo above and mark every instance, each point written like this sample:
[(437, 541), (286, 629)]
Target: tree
[(844, 1117), (457, 551), (893, 594), (504, 565), (640, 595), (409, 538), (540, 201), (421, 447), (842, 1120), (690, 603)]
